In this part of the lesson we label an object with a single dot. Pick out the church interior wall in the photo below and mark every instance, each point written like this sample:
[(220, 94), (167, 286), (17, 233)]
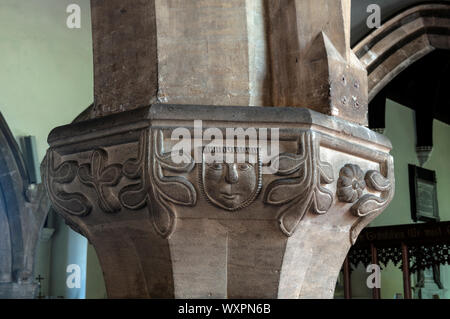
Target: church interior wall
[(46, 80)]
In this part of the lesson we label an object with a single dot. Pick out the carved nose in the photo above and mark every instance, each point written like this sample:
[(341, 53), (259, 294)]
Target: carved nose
[(232, 174)]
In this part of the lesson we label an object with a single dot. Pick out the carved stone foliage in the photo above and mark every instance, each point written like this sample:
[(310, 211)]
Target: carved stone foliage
[(302, 188), (134, 196), (102, 177), (153, 179), (162, 183), (350, 187), (97, 175), (142, 185), (371, 204), (76, 203), (168, 191)]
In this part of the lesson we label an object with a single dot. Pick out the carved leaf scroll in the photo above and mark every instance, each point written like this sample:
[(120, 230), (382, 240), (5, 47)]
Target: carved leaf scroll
[(297, 194), (70, 203), (135, 195), (369, 204), (100, 176), (169, 190)]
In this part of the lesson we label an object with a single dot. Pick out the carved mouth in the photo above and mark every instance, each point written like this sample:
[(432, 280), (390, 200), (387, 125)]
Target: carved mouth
[(229, 196)]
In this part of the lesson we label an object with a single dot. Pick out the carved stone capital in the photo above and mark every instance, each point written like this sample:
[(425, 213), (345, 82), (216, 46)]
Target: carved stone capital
[(195, 228)]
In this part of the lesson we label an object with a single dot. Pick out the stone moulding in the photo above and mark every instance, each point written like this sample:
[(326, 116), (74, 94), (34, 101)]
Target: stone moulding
[(403, 40), (187, 230)]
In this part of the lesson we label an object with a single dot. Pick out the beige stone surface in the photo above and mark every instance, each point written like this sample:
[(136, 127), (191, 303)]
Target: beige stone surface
[(224, 230), (238, 52)]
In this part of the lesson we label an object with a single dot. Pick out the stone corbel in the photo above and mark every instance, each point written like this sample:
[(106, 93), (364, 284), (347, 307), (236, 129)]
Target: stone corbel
[(194, 229)]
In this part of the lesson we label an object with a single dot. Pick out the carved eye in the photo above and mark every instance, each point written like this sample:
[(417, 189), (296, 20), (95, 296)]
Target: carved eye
[(216, 166), (244, 166)]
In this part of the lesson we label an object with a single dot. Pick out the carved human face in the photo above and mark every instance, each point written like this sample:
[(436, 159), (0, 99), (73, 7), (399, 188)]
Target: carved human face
[(231, 186)]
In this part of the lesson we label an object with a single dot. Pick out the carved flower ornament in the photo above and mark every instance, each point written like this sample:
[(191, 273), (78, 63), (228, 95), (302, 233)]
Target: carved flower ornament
[(351, 184)]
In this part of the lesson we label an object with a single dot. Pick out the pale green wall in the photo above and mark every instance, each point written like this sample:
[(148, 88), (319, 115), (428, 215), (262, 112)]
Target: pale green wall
[(46, 80), (46, 70), (43, 262), (400, 129)]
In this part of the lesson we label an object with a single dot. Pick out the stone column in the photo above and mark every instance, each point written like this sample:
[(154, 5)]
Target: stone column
[(236, 53), (311, 60), (174, 224)]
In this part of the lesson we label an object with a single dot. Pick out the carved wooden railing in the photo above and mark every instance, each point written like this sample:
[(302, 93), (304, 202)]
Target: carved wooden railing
[(411, 247)]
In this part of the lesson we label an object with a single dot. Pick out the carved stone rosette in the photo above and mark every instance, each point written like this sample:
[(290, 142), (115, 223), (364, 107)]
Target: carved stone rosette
[(196, 229)]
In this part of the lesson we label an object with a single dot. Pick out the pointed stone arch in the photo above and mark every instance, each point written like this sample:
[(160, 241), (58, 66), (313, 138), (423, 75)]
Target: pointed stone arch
[(23, 209), (401, 41), (13, 177)]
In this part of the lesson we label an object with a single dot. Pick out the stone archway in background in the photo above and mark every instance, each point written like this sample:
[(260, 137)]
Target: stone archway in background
[(411, 44), (401, 41), (23, 209)]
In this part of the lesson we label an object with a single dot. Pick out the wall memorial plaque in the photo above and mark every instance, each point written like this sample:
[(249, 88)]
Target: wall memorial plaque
[(423, 194)]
